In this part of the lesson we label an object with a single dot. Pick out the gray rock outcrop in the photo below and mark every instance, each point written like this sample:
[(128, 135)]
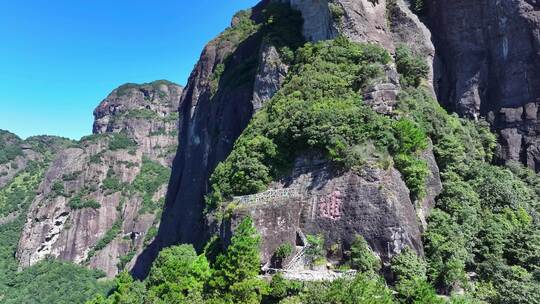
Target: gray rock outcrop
[(215, 111), (487, 64)]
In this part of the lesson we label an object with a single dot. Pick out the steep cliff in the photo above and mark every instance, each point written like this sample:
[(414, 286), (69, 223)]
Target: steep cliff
[(100, 200), (241, 69), (487, 64)]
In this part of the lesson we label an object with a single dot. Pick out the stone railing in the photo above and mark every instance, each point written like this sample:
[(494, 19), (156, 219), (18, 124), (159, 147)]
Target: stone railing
[(299, 259), (268, 195), (318, 275)]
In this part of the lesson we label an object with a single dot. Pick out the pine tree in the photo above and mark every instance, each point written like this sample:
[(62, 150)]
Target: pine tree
[(362, 258), (241, 260), (238, 267)]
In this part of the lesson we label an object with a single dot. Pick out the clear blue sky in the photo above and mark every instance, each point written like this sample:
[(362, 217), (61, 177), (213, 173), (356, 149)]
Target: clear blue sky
[(60, 58)]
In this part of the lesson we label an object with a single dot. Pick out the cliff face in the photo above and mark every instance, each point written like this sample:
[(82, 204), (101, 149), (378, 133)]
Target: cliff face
[(100, 200), (319, 200), (215, 111), (487, 64)]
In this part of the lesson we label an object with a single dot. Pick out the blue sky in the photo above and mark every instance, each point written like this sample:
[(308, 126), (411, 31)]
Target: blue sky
[(60, 58)]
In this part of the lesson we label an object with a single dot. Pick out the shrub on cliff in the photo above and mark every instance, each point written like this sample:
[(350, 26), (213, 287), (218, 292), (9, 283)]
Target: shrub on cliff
[(120, 141), (362, 257), (317, 109), (241, 260), (412, 67)]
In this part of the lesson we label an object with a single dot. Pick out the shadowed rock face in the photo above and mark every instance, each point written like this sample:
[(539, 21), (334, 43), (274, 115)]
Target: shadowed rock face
[(487, 64), (214, 113), (136, 125)]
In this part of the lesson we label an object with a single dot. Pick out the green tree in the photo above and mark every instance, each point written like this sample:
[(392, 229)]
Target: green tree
[(241, 260), (178, 274), (362, 257), (418, 291), (127, 291), (407, 265), (411, 67), (364, 288)]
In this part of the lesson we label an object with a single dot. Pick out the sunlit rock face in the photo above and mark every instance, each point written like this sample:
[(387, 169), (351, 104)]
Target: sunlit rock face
[(339, 206), (86, 209)]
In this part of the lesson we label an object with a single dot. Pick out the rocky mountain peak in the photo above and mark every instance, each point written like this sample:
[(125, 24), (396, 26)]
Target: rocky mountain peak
[(129, 103)]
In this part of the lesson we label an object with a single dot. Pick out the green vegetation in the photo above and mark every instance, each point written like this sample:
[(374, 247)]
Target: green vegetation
[(111, 183), (418, 7), (18, 194), (319, 109), (120, 141), (315, 250), (10, 146), (96, 158), (362, 258), (281, 27), (78, 203), (179, 275), (58, 188), (125, 88), (364, 288), (107, 238), (151, 177), (143, 113), (336, 11), (484, 215), (71, 176), (125, 259), (48, 281), (15, 198), (284, 251), (412, 67), (54, 282), (483, 237)]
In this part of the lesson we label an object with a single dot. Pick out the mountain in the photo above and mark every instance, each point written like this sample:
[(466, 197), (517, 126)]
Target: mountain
[(380, 151), (270, 130), (100, 199), (217, 106)]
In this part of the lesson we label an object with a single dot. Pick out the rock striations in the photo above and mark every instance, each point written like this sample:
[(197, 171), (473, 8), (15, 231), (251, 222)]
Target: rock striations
[(100, 200)]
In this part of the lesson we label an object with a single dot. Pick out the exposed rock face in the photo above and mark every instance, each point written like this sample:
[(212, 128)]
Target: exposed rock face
[(433, 186), (317, 19), (214, 113), (21, 162), (88, 209), (270, 76), (487, 64), (316, 200)]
